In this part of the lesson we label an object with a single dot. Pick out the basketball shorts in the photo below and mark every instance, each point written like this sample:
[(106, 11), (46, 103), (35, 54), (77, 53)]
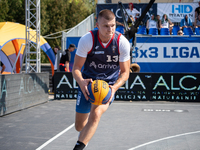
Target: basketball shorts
[(83, 105)]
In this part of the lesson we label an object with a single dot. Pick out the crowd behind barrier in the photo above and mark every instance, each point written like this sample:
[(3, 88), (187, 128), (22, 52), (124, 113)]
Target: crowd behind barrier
[(163, 31), (164, 18), (164, 45), (164, 54)]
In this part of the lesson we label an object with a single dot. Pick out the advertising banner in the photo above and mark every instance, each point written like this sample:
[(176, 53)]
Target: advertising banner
[(168, 54), (175, 87), (20, 91), (176, 11), (141, 87), (65, 86), (116, 10), (162, 54)]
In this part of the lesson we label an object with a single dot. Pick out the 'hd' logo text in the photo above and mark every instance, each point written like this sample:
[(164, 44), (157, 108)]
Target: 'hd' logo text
[(182, 9)]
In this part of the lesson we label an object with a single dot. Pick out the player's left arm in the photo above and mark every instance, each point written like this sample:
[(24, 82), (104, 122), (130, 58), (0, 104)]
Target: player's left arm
[(124, 64), (124, 75)]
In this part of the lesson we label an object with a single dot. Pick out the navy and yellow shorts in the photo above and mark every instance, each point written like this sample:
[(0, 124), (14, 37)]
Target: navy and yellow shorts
[(83, 105)]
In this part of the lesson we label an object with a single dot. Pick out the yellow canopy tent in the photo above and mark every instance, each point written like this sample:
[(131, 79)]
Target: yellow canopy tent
[(12, 36)]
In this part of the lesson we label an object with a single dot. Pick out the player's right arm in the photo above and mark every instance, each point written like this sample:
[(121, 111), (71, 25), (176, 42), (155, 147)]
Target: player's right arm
[(84, 46), (76, 71)]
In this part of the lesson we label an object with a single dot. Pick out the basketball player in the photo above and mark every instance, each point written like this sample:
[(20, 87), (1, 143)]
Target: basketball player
[(105, 55)]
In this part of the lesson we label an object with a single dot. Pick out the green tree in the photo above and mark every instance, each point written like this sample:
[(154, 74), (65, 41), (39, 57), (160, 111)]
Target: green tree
[(56, 15), (64, 14), (4, 8), (53, 18), (12, 10)]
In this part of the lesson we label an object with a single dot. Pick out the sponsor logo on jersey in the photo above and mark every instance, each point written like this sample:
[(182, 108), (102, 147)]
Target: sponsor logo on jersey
[(114, 48), (99, 52), (96, 47), (102, 66), (93, 64)]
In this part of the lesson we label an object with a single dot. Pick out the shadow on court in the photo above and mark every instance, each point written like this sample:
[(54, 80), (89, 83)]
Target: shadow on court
[(125, 126)]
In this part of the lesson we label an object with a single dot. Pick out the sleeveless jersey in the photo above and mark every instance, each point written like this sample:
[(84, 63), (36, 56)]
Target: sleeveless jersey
[(103, 62)]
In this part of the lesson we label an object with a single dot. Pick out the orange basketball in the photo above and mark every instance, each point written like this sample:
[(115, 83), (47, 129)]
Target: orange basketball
[(100, 92)]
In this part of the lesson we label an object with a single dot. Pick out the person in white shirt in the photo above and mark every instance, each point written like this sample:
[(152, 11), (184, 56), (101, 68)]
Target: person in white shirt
[(56, 49), (151, 23), (132, 12), (166, 23)]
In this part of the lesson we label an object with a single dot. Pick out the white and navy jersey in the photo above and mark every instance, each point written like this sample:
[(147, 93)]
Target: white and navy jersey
[(102, 59)]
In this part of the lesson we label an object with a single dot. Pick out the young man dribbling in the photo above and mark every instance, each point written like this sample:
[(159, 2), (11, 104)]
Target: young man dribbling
[(105, 55)]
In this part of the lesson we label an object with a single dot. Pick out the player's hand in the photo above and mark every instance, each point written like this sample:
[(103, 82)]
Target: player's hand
[(113, 90), (84, 87)]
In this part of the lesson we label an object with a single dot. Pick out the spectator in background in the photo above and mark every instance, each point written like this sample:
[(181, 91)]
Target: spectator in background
[(197, 11), (119, 23), (95, 28), (197, 22), (166, 23), (3, 67), (158, 23), (132, 12), (151, 23), (56, 49), (66, 57), (180, 32), (186, 22)]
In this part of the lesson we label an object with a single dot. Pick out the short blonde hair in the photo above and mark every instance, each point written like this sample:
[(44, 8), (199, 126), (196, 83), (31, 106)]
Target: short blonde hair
[(107, 14)]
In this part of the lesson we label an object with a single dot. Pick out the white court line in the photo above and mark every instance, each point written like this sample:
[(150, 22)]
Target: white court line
[(155, 104), (55, 137), (163, 139)]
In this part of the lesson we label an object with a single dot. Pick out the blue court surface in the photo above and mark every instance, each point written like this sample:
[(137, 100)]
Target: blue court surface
[(125, 126)]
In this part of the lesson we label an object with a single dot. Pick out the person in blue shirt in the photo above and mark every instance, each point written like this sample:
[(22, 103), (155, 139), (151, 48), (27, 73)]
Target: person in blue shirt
[(186, 22)]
